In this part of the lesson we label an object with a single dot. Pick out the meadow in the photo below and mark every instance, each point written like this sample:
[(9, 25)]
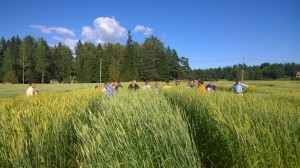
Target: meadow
[(72, 125)]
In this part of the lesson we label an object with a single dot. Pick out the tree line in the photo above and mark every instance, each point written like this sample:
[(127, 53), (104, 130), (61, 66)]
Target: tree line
[(265, 71), (30, 59)]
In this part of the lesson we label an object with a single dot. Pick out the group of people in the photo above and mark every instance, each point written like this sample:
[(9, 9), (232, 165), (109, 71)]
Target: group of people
[(238, 87), (110, 88), (201, 86)]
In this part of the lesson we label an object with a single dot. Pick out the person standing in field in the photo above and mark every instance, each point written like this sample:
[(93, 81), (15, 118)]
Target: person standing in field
[(167, 86), (118, 87), (189, 84), (104, 90), (239, 87), (133, 86), (110, 89), (30, 91), (192, 84), (146, 86), (201, 85), (211, 86)]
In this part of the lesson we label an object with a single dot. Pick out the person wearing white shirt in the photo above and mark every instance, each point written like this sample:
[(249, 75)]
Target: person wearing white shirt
[(147, 85), (30, 91), (239, 87)]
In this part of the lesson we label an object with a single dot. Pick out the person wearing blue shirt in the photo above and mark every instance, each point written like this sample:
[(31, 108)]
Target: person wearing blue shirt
[(239, 87), (110, 89)]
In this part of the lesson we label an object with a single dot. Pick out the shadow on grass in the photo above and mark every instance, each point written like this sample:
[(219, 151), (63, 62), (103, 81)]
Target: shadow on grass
[(213, 150)]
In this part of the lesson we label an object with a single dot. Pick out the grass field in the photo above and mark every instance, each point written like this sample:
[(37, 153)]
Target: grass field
[(268, 87), (71, 125)]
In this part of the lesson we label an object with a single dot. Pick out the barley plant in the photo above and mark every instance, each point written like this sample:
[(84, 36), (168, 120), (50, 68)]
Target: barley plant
[(257, 130), (179, 127), (38, 131), (85, 129), (136, 129)]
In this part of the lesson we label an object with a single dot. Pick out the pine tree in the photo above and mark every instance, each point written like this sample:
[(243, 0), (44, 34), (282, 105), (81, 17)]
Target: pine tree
[(130, 63), (66, 63), (174, 65), (185, 70), (42, 59), (55, 62), (7, 63), (104, 64), (153, 59), (91, 63), (27, 48), (79, 59), (2, 49)]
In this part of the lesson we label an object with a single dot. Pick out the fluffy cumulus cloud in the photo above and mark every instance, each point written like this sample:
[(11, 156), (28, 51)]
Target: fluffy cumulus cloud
[(104, 30), (143, 29), (59, 30)]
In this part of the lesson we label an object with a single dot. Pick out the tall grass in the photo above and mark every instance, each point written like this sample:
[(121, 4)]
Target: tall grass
[(137, 129), (178, 128), (13, 90), (38, 131), (252, 131), (84, 128)]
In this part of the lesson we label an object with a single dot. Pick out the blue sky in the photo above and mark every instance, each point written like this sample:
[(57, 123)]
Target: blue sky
[(211, 33)]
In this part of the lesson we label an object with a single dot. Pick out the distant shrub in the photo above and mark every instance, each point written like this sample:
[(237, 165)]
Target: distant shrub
[(10, 77), (54, 81)]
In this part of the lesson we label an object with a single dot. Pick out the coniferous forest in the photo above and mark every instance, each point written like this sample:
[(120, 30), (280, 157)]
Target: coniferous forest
[(31, 59)]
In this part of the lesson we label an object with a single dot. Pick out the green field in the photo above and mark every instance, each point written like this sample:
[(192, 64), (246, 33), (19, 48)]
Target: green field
[(72, 125)]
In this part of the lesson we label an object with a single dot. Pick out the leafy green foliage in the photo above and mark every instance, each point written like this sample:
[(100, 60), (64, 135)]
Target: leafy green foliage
[(265, 71), (34, 60), (10, 77)]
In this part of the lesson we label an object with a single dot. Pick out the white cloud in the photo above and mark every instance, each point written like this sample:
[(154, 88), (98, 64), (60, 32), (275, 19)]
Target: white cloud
[(49, 30), (138, 28), (57, 38), (71, 43), (105, 30), (146, 30)]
